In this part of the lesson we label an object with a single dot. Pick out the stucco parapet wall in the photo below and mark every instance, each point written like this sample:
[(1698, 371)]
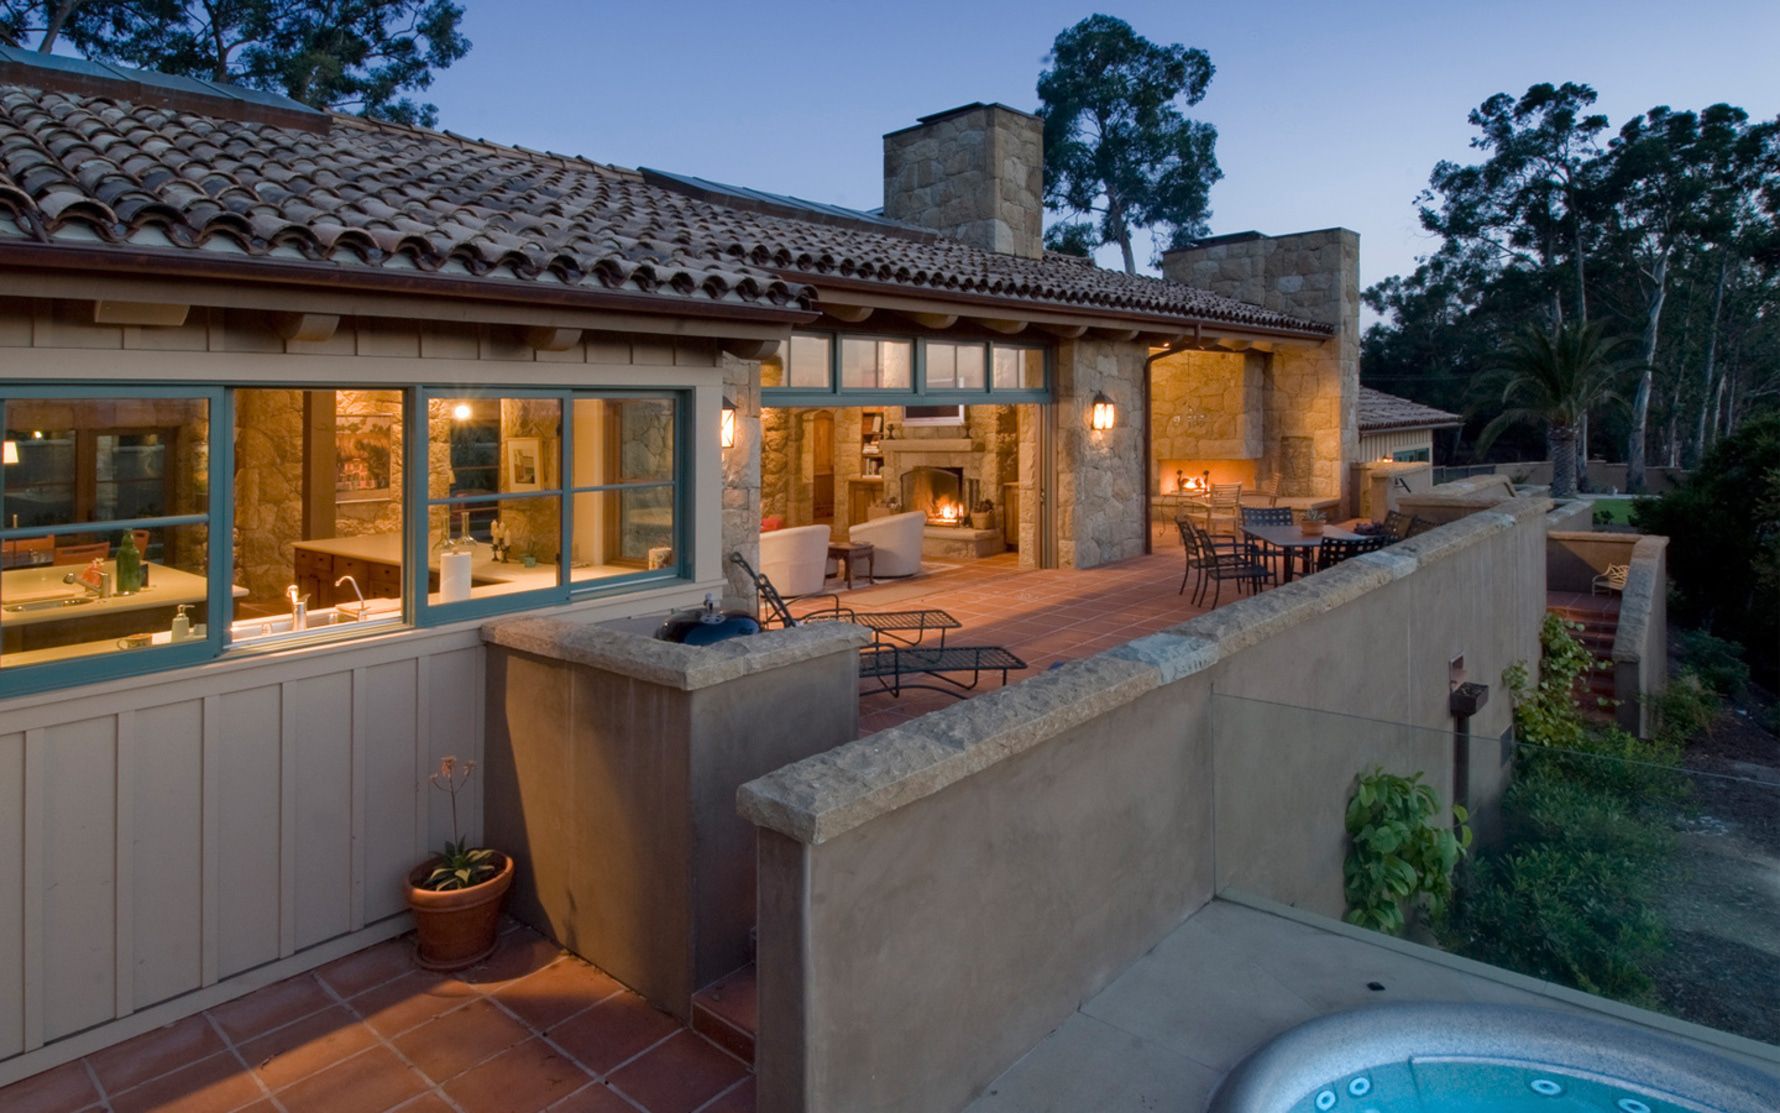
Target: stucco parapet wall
[(1637, 603), (823, 797), (669, 664)]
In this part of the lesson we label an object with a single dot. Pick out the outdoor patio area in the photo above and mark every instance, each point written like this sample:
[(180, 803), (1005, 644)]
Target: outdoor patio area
[(532, 1028), (1043, 616)]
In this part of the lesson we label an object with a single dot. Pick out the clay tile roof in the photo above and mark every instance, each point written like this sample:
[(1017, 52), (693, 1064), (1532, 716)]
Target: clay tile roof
[(86, 170), (1380, 412)]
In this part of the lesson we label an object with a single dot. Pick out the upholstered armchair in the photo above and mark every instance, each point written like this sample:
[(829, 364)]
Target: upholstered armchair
[(896, 541)]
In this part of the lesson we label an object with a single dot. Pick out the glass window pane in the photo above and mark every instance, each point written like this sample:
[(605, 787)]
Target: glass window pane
[(876, 364), (104, 459), (1019, 368), (90, 602), (809, 362), (623, 440), (621, 532), (484, 446), (967, 361), (942, 366), (479, 550), (318, 498)]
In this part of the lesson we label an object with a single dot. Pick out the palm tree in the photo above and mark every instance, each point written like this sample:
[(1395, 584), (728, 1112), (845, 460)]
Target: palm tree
[(1554, 379)]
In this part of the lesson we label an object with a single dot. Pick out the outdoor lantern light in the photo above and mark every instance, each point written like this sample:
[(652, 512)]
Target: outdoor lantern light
[(1104, 414), (12, 452), (461, 411), (728, 426)]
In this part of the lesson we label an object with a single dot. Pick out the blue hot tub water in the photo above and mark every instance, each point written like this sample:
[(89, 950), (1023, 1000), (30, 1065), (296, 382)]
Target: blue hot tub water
[(1456, 1085)]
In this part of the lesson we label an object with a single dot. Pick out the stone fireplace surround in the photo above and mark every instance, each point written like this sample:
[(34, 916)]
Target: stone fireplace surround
[(903, 454)]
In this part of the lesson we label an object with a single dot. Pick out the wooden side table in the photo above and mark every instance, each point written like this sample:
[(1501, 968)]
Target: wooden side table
[(846, 552)]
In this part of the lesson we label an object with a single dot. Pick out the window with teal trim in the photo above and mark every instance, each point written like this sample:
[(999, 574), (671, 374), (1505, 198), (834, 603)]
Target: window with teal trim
[(536, 495), (105, 516)]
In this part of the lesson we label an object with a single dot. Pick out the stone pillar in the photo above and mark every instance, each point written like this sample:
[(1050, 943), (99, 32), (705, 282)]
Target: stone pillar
[(975, 173), (1099, 505), (1310, 431), (741, 479)]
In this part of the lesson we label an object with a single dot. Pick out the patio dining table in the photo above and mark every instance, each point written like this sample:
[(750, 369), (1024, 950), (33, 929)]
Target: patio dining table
[(1293, 542)]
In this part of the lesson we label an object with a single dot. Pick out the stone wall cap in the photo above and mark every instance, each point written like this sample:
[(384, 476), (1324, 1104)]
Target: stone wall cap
[(825, 796), (670, 664)]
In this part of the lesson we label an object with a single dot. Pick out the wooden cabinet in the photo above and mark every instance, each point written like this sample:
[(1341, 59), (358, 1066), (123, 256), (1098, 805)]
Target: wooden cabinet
[(317, 570)]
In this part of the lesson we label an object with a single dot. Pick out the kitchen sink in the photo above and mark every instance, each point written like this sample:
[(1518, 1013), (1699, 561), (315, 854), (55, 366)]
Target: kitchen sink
[(47, 604)]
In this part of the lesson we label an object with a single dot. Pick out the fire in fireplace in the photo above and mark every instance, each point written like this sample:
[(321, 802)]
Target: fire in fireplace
[(943, 494)]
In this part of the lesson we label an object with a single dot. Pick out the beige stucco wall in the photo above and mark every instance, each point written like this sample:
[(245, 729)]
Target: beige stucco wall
[(948, 891)]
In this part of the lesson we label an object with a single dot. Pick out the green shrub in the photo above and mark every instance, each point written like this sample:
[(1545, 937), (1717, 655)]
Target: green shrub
[(1574, 916), (1716, 661), (1400, 855), (1687, 707)]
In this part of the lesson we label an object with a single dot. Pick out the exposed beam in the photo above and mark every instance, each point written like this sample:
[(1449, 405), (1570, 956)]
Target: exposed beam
[(1065, 332), (1166, 339), (751, 349), (153, 314), (309, 327), (1002, 325), (934, 320), (545, 338), (852, 314)]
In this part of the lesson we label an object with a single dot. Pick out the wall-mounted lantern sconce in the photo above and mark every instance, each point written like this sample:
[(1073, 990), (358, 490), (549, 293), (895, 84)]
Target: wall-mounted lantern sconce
[(12, 452), (1103, 415), (728, 425)]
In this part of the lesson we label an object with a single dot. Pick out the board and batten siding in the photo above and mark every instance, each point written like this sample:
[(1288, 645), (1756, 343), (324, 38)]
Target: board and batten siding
[(157, 841)]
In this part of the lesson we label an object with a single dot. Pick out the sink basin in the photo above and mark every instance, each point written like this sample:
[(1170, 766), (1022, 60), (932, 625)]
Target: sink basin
[(47, 604)]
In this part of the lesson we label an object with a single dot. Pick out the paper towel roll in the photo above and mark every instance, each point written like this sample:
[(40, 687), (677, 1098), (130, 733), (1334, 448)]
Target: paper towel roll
[(454, 577)]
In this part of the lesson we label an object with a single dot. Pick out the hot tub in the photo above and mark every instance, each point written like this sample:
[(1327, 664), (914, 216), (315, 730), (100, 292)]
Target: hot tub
[(1445, 1058)]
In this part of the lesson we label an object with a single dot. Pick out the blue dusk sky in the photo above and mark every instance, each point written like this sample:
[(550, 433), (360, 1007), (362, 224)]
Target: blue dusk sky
[(1327, 113)]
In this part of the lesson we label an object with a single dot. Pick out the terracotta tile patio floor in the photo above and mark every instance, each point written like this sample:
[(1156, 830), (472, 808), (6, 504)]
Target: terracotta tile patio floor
[(1044, 616), (531, 1029)]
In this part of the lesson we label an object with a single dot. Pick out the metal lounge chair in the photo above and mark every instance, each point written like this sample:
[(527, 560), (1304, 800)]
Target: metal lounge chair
[(892, 658)]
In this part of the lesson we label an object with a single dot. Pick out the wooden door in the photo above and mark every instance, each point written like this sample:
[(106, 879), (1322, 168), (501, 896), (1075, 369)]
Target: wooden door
[(822, 467)]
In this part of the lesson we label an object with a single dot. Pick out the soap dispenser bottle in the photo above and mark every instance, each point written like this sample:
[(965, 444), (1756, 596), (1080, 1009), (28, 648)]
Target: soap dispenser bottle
[(182, 626)]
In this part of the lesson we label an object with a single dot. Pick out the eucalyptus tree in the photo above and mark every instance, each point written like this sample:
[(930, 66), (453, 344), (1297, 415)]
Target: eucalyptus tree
[(364, 56), (1120, 154), (1554, 378)]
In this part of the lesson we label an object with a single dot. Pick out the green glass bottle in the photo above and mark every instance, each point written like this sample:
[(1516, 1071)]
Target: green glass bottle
[(129, 565)]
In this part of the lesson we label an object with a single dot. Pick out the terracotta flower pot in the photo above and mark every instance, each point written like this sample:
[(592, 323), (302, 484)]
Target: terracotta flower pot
[(456, 928), (1311, 529)]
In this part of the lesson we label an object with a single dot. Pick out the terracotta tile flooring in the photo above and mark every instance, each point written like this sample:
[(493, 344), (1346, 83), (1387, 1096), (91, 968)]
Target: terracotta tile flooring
[(1043, 616), (531, 1029)]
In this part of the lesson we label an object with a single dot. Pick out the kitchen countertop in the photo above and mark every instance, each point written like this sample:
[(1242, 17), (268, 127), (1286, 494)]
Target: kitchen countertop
[(167, 587), (487, 575)]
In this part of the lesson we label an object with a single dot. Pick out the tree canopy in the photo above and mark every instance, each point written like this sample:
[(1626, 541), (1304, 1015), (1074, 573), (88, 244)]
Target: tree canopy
[(1120, 154), (364, 56), (1663, 231)]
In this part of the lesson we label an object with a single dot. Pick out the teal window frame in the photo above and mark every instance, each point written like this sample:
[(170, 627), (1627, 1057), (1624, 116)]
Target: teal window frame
[(918, 394), (566, 590), (218, 518), (1412, 455)]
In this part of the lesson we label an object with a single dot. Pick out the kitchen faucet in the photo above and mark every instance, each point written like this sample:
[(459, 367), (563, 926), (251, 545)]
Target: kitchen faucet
[(103, 591), (361, 595), (299, 609)]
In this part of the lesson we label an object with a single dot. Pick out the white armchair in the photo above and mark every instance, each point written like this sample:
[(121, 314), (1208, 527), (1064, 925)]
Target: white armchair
[(796, 559), (896, 542)]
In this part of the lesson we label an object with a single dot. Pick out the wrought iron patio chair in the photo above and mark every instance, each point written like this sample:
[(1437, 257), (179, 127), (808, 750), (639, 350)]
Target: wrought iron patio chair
[(1396, 525), (1334, 550), (1271, 555), (1215, 565), (1419, 524)]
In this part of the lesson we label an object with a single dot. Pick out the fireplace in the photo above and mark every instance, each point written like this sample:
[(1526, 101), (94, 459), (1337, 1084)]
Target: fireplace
[(943, 494)]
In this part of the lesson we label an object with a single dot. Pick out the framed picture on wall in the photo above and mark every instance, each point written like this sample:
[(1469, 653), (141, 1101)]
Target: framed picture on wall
[(363, 448), (525, 464)]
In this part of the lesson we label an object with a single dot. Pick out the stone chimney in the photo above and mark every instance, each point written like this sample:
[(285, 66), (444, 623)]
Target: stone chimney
[(1310, 394), (975, 173)]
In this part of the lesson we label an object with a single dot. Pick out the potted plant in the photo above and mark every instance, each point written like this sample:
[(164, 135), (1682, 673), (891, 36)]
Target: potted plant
[(1311, 525), (983, 517), (456, 895)]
